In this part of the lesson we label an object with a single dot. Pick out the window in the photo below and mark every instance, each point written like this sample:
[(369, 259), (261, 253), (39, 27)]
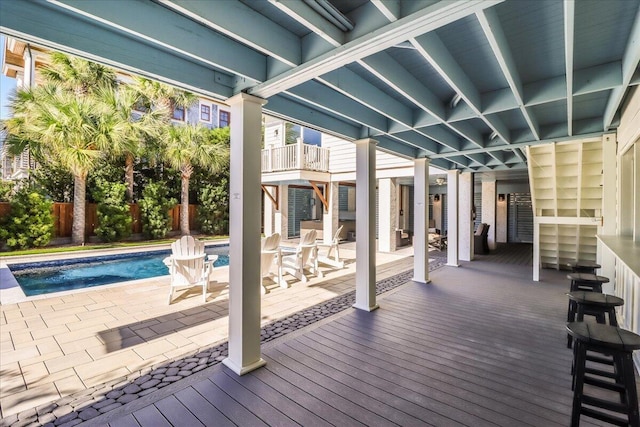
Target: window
[(178, 114), (142, 105), (225, 118), (205, 113)]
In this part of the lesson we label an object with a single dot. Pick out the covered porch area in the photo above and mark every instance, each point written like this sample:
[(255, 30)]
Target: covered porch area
[(480, 345)]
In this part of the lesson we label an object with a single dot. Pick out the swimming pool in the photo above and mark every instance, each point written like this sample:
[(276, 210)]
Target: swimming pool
[(63, 275)]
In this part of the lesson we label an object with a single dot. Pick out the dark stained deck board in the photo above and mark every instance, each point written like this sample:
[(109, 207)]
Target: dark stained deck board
[(126, 421), (312, 403), (510, 395), (460, 391), (176, 413), (440, 402), (208, 414), (367, 409), (245, 397), (228, 406), (299, 414), (481, 345), (314, 383), (150, 416)]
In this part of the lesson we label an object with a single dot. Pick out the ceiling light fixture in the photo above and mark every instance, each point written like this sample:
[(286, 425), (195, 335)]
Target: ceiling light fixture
[(455, 100), (440, 181)]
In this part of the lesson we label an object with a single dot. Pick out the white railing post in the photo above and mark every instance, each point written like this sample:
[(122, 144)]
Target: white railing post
[(300, 162)]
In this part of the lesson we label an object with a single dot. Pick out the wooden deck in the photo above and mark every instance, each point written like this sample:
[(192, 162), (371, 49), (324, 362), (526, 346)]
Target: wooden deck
[(481, 345)]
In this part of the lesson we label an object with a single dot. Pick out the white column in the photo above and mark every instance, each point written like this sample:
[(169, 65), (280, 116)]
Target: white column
[(453, 177), (501, 220), (29, 68), (330, 217), (465, 218), (421, 220), (387, 214), (489, 210), (244, 235), (269, 209), (366, 225), (609, 195), (636, 196), (281, 220)]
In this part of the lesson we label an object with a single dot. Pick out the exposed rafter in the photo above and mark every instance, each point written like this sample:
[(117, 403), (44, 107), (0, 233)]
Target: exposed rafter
[(569, 16)]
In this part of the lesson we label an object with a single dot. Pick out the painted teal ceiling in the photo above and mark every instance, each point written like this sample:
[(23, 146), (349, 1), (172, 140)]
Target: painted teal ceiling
[(466, 83)]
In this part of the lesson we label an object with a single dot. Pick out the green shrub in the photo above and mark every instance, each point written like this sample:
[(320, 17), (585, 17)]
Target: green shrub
[(213, 210), (6, 187), (154, 210), (30, 223), (114, 216)]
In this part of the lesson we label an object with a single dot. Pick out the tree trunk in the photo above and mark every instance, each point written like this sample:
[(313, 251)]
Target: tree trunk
[(184, 205), (128, 176), (79, 208)]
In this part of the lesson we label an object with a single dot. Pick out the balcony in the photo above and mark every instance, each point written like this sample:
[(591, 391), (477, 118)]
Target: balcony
[(295, 157)]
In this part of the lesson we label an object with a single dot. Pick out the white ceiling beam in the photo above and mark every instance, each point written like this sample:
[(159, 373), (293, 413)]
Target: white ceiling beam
[(241, 23), (438, 56), (630, 61), (427, 19), (569, 19), (166, 29), (319, 96), (492, 28)]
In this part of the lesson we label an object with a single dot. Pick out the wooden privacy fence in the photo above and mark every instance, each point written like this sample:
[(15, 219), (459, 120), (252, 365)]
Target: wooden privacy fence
[(63, 218)]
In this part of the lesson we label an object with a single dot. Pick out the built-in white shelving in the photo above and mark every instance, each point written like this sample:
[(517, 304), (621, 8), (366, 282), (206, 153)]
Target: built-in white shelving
[(566, 192)]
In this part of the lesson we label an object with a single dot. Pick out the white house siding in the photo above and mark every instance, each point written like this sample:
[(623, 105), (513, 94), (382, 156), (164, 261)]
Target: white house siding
[(342, 156)]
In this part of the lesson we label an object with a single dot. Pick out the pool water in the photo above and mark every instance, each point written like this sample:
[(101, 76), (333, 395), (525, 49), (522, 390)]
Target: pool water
[(63, 275)]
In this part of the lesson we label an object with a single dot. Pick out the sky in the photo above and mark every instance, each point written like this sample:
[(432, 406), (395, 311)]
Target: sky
[(7, 85)]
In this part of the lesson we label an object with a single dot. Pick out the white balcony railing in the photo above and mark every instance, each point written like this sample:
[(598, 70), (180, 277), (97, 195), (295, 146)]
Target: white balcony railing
[(295, 157)]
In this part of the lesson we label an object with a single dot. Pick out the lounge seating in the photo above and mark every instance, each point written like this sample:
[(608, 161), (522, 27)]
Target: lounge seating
[(332, 248), (270, 256), (480, 243), (189, 266), (305, 257)]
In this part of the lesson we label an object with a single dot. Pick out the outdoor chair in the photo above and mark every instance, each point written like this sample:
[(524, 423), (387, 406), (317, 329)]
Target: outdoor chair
[(270, 255), (189, 266), (305, 256), (480, 243), (332, 248)]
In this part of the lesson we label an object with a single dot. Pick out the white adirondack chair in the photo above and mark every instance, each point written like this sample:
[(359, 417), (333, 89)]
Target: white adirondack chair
[(305, 256), (270, 256), (332, 248), (189, 266)]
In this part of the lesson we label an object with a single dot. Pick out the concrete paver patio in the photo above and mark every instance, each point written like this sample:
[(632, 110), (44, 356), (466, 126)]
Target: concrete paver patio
[(52, 347)]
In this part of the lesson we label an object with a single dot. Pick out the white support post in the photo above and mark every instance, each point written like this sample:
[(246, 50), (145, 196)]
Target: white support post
[(636, 196), (421, 221), (609, 201), (366, 225), (269, 209), (489, 210), (536, 249), (453, 177), (387, 214), (501, 219), (330, 217), (244, 235), (300, 149), (465, 218), (281, 219)]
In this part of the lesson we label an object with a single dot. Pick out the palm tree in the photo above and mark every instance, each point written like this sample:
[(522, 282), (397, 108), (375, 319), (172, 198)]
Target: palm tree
[(77, 75), (58, 126), (191, 145), (134, 128), (156, 95)]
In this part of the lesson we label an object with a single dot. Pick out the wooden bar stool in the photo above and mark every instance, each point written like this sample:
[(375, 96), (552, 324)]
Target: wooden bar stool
[(612, 341), (592, 304), (586, 282), (582, 266)]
